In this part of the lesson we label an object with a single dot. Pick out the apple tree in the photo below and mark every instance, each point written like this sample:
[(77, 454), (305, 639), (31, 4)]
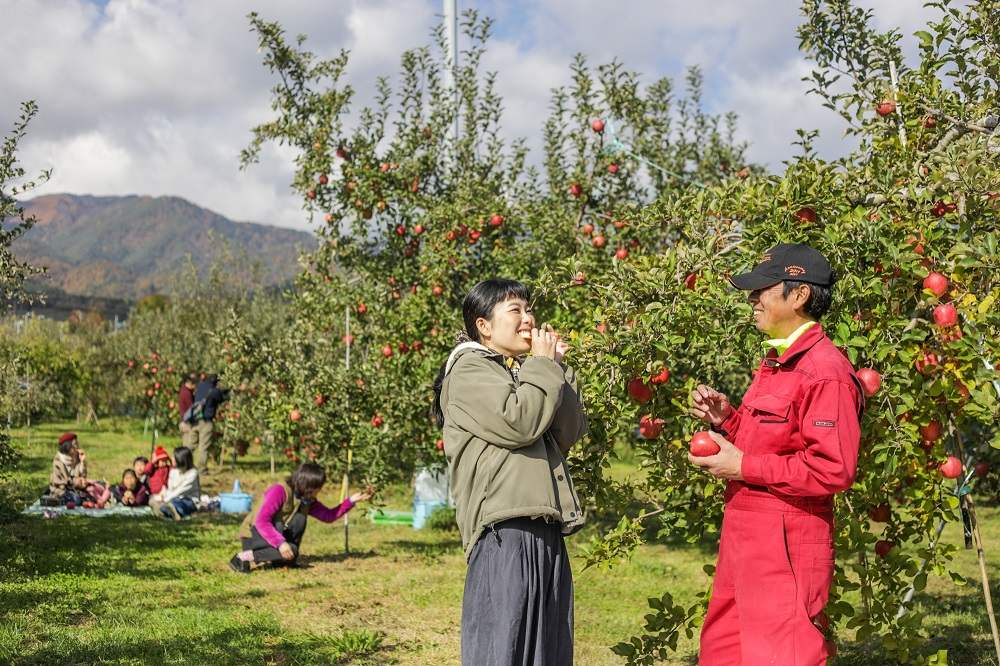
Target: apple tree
[(410, 216), (909, 222)]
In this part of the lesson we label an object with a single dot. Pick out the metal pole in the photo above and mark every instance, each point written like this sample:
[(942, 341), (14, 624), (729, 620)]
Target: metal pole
[(451, 65), (347, 469)]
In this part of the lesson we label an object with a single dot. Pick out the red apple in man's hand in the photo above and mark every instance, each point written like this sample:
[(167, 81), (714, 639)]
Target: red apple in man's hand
[(951, 468), (650, 428), (702, 445), (871, 381), (945, 315), (639, 390)]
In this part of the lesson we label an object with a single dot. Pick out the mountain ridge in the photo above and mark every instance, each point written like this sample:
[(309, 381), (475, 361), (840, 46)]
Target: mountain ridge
[(126, 247)]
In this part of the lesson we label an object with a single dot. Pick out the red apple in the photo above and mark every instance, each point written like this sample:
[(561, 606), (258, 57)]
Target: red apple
[(871, 381), (401, 230), (928, 364), (576, 189), (348, 339), (622, 253), (437, 290), (404, 348), (945, 315), (418, 229), (613, 167), (156, 386), (691, 281), (931, 431), (149, 393), (598, 241), (937, 283), (462, 230), (702, 445), (650, 428), (387, 351), (131, 364), (880, 513), (883, 547), (831, 648), (951, 468), (311, 194), (413, 289), (496, 220), (362, 308), (597, 125), (295, 415), (980, 469), (418, 346), (587, 229), (377, 422), (319, 399), (256, 440), (170, 404), (323, 179), (639, 390), (661, 377), (885, 107), (804, 215), (440, 445)]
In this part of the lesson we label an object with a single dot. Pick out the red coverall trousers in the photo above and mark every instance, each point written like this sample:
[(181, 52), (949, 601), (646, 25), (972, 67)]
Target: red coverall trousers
[(774, 575)]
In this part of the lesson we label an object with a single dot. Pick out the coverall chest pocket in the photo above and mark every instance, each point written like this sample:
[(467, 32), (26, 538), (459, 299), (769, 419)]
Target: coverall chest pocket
[(772, 425)]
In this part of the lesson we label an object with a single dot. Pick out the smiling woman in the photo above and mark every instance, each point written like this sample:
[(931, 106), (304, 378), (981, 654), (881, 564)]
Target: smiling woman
[(508, 422)]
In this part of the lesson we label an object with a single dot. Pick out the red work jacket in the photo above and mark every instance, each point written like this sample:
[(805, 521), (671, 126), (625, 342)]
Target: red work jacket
[(799, 424)]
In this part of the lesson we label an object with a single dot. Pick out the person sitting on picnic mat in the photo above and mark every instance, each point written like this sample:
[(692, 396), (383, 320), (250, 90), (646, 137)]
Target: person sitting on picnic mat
[(273, 531), (131, 492), (177, 499), (68, 481)]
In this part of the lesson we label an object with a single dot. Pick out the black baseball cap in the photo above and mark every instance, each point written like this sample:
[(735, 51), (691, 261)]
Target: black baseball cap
[(788, 261)]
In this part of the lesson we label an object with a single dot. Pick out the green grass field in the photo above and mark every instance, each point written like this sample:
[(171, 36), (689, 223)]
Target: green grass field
[(143, 590)]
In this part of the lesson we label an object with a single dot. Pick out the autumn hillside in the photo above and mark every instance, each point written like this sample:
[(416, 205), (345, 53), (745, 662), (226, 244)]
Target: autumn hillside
[(127, 247)]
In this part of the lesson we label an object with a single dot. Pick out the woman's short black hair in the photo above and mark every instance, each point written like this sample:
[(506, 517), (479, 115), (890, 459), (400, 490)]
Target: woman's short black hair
[(67, 446), (127, 471), (142, 459), (306, 477), (820, 297), (485, 296), (183, 459)]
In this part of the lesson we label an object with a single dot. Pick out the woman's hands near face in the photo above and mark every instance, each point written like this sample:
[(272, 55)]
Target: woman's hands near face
[(544, 341)]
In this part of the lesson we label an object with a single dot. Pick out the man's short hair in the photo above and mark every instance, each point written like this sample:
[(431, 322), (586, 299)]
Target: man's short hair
[(820, 297)]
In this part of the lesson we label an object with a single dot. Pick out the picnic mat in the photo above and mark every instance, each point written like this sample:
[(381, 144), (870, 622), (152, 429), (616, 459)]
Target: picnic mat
[(37, 509), (206, 503)]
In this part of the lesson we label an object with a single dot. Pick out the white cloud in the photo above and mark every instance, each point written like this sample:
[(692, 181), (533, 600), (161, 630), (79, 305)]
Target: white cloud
[(158, 96)]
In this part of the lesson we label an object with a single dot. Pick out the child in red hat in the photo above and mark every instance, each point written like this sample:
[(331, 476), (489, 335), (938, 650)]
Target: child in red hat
[(158, 470)]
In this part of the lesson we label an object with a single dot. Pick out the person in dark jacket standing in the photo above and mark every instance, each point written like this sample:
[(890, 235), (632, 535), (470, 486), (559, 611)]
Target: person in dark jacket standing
[(791, 445), (209, 392), (507, 423), (185, 398)]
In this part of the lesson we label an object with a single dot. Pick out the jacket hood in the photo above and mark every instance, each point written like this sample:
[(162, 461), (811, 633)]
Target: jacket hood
[(462, 349)]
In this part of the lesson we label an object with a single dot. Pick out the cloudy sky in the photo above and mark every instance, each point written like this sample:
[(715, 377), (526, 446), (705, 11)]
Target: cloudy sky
[(158, 96)]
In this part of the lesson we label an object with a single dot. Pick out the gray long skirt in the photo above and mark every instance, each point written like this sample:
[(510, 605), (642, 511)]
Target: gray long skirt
[(518, 603)]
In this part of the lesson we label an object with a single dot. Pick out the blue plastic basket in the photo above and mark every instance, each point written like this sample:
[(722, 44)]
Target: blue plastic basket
[(235, 502)]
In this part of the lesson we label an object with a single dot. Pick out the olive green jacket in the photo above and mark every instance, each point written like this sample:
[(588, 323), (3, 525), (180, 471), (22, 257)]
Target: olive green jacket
[(506, 437)]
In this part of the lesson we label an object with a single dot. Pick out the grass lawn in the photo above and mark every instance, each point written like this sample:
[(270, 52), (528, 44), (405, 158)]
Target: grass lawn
[(135, 590)]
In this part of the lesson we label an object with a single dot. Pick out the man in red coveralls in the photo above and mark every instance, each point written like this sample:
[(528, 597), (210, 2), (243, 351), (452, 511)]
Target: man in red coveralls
[(786, 450)]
